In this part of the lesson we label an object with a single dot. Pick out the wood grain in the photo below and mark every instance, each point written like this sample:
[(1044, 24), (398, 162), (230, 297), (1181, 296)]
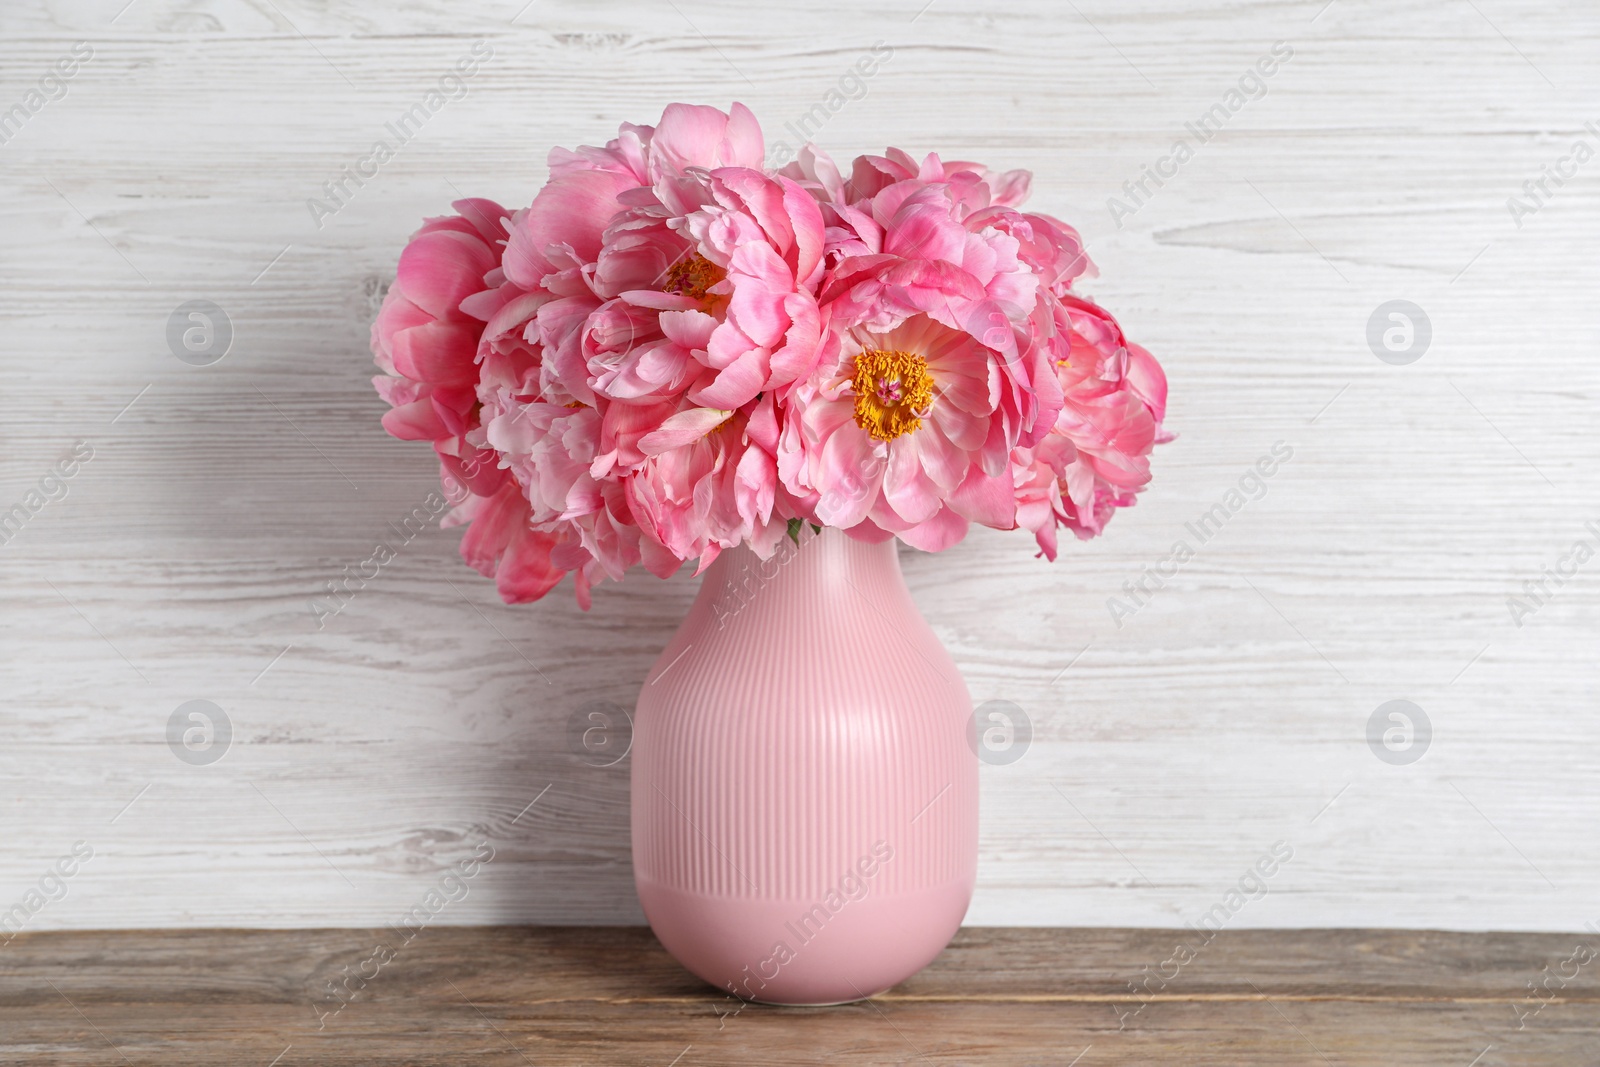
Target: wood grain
[(612, 995), (1226, 715)]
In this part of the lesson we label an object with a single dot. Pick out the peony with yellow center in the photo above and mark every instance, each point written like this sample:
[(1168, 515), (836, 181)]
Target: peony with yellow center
[(893, 392), (694, 278)]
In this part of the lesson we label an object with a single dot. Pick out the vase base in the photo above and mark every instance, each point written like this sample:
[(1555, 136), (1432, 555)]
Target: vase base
[(817, 1004), (798, 953)]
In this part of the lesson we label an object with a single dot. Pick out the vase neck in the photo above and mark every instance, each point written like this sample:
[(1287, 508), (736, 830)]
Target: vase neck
[(827, 570)]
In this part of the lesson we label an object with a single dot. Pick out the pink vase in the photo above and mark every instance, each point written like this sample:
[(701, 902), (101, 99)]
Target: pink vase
[(805, 797)]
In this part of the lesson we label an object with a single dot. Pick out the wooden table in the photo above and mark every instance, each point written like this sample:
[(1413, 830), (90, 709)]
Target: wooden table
[(611, 995)]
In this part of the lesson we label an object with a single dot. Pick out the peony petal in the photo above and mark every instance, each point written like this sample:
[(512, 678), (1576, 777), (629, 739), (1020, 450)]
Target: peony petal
[(1148, 381), (850, 470), (416, 421), (396, 314), (681, 429), (743, 144), (690, 135), (906, 487), (398, 391), (691, 329), (525, 572), (441, 353), (736, 384), (439, 269), (659, 301), (938, 533), (656, 557), (486, 216), (1011, 188), (805, 216), (572, 211), (986, 500), (870, 532)]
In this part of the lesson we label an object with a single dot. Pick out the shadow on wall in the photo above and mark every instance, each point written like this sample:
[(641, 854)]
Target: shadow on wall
[(566, 764), (503, 731)]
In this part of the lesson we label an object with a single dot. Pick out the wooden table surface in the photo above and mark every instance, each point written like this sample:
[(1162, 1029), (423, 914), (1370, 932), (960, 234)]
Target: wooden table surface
[(611, 995)]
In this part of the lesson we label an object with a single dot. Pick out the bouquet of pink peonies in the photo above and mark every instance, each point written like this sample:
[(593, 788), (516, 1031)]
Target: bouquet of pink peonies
[(674, 350)]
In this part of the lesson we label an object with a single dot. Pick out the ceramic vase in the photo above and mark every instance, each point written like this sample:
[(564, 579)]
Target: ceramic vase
[(804, 790)]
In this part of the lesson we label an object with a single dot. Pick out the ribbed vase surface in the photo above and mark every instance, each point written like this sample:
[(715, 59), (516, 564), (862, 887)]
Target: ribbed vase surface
[(805, 797)]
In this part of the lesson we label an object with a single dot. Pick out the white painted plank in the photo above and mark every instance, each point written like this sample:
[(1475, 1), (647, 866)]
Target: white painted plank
[(1221, 718)]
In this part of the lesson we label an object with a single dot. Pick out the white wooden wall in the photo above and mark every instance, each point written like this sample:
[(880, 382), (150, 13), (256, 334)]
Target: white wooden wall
[(1228, 714)]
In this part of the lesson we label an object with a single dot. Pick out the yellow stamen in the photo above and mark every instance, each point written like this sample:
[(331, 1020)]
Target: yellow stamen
[(893, 392), (693, 277)]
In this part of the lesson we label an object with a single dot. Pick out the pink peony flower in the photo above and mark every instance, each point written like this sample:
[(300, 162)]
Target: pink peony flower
[(708, 292), (426, 345), (709, 482), (427, 337), (672, 351), (500, 543), (1097, 456), (698, 294), (905, 434), (942, 366)]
